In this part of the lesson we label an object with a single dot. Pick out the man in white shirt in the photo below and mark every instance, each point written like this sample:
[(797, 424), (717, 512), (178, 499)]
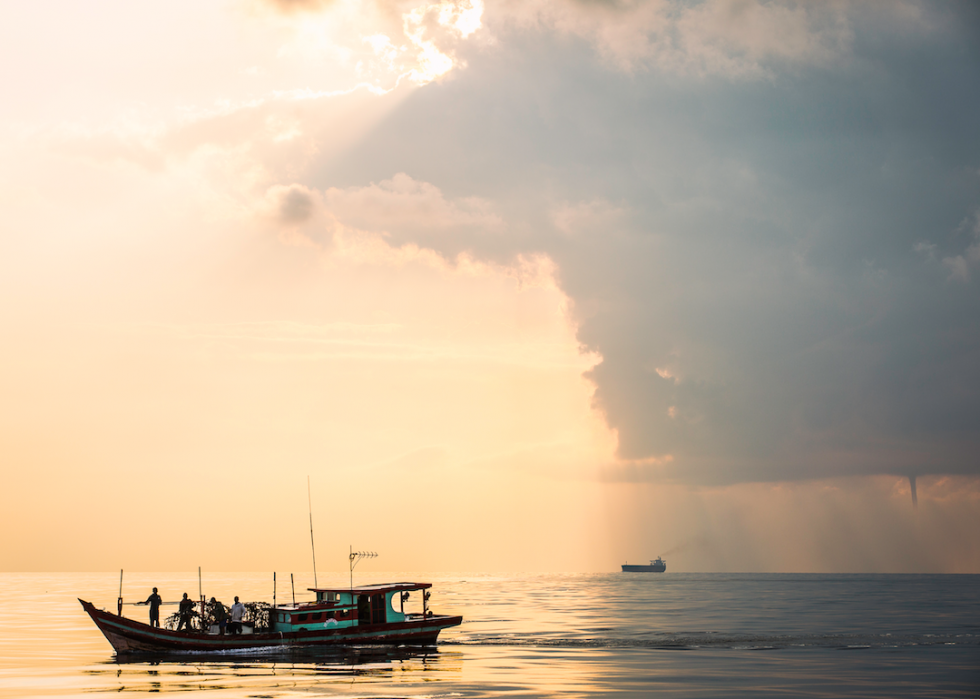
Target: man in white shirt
[(237, 611)]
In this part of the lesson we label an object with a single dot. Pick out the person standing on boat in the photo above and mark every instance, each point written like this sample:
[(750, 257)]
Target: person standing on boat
[(220, 615), (154, 601), (237, 612), (186, 610)]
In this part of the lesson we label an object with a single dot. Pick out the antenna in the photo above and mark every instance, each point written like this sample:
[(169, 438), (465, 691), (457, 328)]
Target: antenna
[(354, 558), (309, 500)]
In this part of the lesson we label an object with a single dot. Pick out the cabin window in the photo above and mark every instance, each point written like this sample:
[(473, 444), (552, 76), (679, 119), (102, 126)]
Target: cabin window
[(301, 617), (282, 618), (378, 613), (331, 615), (363, 610), (316, 617)]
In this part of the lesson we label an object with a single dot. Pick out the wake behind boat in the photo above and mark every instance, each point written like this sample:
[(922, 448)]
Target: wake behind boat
[(657, 566), (370, 614)]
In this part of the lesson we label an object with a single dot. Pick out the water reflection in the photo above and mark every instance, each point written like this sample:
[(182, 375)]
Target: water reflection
[(274, 669)]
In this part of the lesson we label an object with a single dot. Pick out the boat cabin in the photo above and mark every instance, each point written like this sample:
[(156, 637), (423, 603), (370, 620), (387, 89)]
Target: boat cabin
[(351, 606)]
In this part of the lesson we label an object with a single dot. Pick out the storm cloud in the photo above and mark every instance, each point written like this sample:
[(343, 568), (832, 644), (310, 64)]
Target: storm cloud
[(778, 266)]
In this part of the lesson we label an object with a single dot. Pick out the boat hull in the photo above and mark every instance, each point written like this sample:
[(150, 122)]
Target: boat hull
[(127, 636), (627, 568)]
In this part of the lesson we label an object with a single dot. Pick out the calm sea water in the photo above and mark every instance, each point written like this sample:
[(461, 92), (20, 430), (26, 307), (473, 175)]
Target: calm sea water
[(673, 635)]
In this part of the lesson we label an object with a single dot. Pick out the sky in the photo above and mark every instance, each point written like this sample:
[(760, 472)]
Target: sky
[(548, 285)]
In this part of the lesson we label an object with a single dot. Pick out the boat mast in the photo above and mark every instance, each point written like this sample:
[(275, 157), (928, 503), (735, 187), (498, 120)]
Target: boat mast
[(309, 500)]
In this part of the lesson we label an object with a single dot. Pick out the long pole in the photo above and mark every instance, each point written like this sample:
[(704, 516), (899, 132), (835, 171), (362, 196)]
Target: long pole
[(273, 590), (293, 585), (200, 591), (119, 600), (309, 500)]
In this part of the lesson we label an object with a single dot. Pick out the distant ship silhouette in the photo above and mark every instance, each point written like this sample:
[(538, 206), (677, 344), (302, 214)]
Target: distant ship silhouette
[(657, 566)]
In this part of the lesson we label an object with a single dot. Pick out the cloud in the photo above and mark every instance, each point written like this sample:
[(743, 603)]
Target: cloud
[(959, 266), (294, 204), (395, 211), (385, 40), (403, 207), (751, 259), (295, 213), (573, 217), (400, 221), (735, 38), (771, 270)]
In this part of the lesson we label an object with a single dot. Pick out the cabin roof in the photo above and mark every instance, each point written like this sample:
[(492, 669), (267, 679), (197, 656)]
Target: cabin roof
[(374, 589)]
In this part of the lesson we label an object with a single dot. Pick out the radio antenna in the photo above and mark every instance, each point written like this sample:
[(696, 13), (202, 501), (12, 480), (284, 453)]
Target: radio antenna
[(309, 499), (354, 557)]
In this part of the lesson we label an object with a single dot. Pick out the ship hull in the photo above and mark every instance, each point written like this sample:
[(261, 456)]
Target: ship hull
[(644, 569), (127, 636)]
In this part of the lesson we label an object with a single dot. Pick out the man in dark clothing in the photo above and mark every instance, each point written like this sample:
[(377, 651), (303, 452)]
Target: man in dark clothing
[(186, 610), (154, 601), (220, 615)]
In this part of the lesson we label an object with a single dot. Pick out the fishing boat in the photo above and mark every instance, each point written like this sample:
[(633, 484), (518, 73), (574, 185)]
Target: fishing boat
[(364, 615), (657, 566)]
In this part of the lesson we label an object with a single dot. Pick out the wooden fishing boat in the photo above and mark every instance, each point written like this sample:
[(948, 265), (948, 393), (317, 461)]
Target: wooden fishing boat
[(365, 615)]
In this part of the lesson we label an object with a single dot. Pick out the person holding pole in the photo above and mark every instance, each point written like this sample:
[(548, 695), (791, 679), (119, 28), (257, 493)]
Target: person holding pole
[(186, 610), (154, 601)]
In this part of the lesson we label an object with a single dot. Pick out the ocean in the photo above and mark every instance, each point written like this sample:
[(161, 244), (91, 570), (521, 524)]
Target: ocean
[(536, 635)]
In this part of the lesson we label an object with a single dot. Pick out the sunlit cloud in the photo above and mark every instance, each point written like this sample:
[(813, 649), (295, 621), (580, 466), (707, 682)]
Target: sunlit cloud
[(404, 203), (371, 224), (364, 35), (452, 16)]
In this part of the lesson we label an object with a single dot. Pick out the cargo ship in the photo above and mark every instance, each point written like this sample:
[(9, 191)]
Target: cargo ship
[(657, 566)]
